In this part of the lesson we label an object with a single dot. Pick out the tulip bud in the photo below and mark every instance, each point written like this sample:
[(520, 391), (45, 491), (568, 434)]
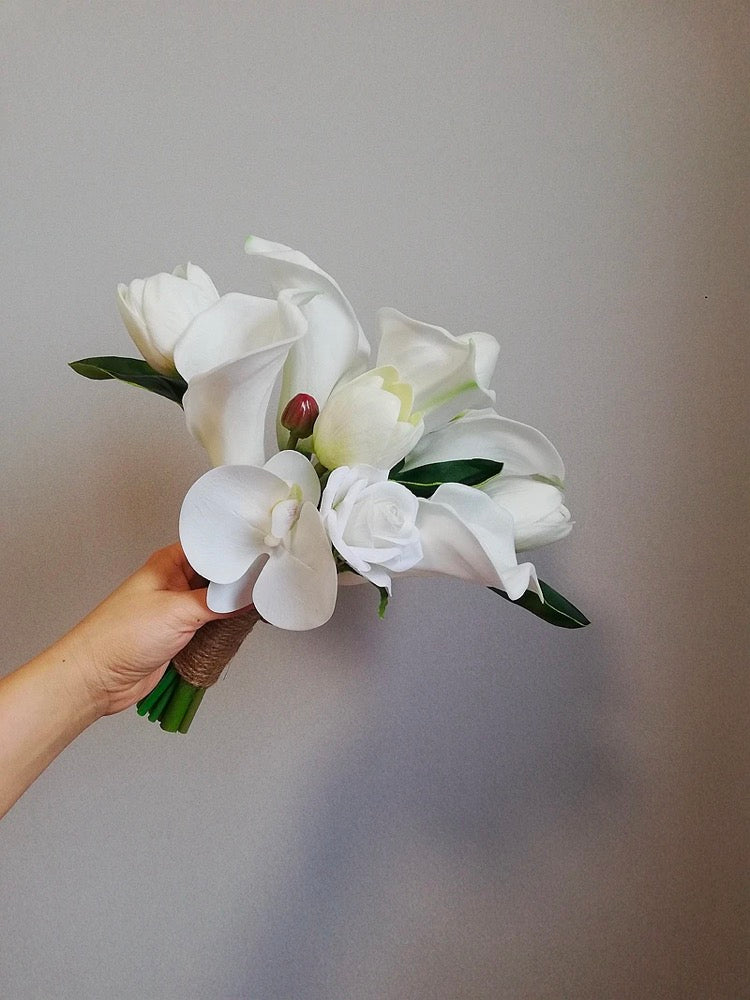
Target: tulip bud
[(299, 416)]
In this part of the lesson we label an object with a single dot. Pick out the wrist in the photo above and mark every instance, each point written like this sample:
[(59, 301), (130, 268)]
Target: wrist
[(71, 668)]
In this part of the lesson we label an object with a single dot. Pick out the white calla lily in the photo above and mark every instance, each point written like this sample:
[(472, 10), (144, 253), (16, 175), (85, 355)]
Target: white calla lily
[(371, 522), (232, 355), (539, 515), (157, 310), (257, 536), (368, 421), (464, 534), (449, 374), (334, 345), (523, 450)]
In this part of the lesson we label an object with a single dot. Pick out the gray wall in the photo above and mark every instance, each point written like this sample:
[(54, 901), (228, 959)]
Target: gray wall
[(459, 802)]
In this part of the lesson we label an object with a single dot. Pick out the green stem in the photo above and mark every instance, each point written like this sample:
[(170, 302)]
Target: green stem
[(192, 709), (155, 714), (146, 704), (178, 705)]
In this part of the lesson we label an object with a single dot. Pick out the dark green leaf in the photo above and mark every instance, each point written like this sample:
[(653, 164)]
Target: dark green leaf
[(555, 609), (134, 372), (384, 598), (424, 480)]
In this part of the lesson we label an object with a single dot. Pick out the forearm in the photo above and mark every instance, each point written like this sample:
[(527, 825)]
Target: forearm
[(44, 706)]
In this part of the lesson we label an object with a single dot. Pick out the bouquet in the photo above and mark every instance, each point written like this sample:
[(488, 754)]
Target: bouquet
[(383, 467)]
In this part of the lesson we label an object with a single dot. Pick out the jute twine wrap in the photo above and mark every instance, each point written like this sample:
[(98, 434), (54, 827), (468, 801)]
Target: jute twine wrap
[(212, 647)]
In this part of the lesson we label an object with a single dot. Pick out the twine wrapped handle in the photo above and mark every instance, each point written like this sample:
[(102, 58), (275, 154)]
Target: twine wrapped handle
[(201, 662)]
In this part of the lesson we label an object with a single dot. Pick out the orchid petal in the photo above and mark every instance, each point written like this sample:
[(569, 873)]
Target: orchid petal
[(296, 470), (226, 407), (523, 450), (335, 343), (297, 587), (225, 517), (225, 597), (442, 368), (231, 328)]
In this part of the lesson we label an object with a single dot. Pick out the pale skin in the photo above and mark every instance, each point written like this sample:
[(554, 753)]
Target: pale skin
[(105, 664)]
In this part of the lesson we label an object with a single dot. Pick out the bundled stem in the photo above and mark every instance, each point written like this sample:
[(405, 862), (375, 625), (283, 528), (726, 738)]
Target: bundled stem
[(175, 699)]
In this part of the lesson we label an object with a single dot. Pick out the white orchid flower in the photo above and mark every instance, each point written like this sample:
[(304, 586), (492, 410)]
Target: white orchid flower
[(464, 534), (371, 522), (157, 310), (539, 515), (448, 374), (334, 345), (231, 355), (368, 421), (523, 450), (257, 536)]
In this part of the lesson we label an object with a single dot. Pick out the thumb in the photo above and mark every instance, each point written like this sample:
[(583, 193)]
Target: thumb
[(193, 609)]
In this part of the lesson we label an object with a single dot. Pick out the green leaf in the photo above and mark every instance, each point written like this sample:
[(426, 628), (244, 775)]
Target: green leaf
[(424, 480), (384, 598), (134, 372), (555, 609)]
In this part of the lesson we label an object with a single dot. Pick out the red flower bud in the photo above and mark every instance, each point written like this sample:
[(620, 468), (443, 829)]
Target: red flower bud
[(299, 415)]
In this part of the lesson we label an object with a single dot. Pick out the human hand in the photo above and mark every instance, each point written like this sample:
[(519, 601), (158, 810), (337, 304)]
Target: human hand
[(122, 648)]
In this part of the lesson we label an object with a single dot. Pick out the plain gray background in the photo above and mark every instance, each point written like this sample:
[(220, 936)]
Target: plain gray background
[(459, 802)]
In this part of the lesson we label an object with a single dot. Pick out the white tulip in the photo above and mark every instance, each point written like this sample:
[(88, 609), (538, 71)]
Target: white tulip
[(371, 522), (257, 536), (157, 310), (368, 421), (539, 515)]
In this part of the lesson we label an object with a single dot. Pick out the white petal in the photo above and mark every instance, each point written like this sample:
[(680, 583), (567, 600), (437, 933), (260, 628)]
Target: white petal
[(226, 407), (225, 517), (465, 534), (335, 343), (297, 587), (524, 450), (487, 351), (297, 470), (441, 367), (538, 512), (169, 304), (224, 597), (195, 274), (234, 326), (129, 304)]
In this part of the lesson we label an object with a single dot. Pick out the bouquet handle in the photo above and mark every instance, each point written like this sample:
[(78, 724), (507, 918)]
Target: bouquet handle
[(175, 699)]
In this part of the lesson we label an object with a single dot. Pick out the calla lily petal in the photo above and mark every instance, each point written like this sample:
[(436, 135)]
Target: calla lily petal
[(233, 327), (486, 353), (196, 275), (297, 587), (442, 368), (296, 470), (226, 407), (225, 517), (524, 450), (335, 343), (464, 534)]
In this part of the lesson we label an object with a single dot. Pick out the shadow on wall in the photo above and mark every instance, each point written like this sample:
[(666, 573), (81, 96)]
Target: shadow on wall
[(471, 753)]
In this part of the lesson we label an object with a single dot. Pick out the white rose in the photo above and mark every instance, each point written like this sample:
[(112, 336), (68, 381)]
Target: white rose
[(371, 522), (157, 310)]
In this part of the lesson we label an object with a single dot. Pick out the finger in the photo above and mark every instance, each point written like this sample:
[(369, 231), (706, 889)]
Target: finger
[(193, 606)]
